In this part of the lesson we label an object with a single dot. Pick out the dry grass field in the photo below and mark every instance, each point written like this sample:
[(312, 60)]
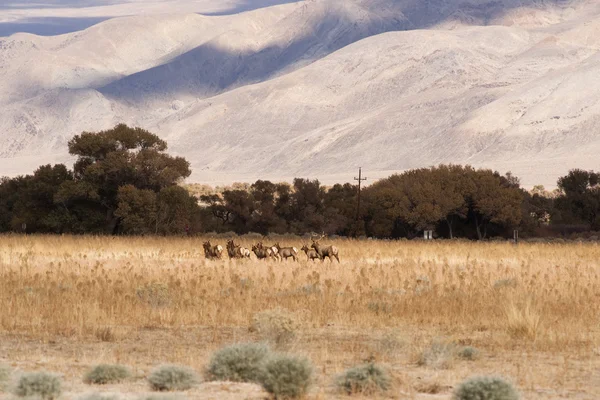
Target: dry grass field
[(532, 312)]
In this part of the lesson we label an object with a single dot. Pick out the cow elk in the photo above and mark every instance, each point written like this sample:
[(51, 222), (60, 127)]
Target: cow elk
[(311, 254), (287, 252), (325, 251), (237, 251), (273, 248), (262, 252), (212, 252)]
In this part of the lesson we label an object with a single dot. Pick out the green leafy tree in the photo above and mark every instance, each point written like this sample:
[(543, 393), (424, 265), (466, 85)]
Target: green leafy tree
[(176, 211), (240, 206), (494, 200), (137, 210), (340, 210), (264, 216), (307, 206), (406, 204), (109, 160), (579, 201), (29, 200)]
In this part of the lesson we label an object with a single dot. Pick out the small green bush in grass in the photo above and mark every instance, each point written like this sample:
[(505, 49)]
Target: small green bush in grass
[(286, 377), (39, 384), (364, 379), (486, 388), (468, 353), (238, 363), (172, 377), (106, 373)]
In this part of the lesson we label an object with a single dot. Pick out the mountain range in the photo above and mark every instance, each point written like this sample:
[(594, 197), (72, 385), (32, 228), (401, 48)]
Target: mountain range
[(317, 88)]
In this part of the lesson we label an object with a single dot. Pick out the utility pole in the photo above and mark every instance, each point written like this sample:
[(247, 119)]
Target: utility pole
[(359, 179)]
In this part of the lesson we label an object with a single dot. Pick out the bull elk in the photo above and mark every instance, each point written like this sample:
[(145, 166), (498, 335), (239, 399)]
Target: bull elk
[(287, 252), (311, 254), (237, 251), (211, 252), (325, 251), (262, 252)]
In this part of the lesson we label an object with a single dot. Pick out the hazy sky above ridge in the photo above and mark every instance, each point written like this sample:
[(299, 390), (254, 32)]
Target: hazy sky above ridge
[(55, 17)]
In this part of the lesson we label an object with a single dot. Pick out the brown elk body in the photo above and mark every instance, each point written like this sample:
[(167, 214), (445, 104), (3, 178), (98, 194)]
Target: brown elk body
[(275, 251), (237, 251), (211, 252), (311, 254), (325, 251), (287, 252), (262, 252)]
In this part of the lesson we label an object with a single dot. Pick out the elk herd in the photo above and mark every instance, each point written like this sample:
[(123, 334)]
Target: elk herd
[(316, 251)]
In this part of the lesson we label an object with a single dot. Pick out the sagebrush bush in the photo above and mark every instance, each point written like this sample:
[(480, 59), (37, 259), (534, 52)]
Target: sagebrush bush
[(106, 373), (39, 384), (485, 388), (238, 363), (5, 373), (438, 356), (172, 377), (364, 379), (468, 353), (285, 376), (276, 325)]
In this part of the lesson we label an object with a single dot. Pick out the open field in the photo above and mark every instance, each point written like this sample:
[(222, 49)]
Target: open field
[(67, 303)]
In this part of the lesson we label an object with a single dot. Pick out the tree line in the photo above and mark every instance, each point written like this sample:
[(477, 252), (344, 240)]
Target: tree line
[(124, 182)]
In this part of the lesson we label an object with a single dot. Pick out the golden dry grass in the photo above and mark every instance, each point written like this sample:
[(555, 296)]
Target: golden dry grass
[(531, 309)]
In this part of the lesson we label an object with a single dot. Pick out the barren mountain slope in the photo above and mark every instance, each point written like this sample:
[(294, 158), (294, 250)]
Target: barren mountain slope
[(115, 48), (402, 100), (284, 91)]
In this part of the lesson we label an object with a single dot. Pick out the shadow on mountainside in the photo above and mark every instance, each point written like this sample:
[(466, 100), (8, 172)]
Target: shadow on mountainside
[(209, 70)]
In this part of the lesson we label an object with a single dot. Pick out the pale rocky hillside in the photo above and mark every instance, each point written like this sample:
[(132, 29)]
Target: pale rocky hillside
[(318, 87)]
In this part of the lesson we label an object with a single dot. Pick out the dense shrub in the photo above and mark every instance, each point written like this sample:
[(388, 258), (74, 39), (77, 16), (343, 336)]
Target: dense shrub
[(468, 353), (238, 363), (172, 377), (286, 376), (486, 388), (364, 379), (277, 325), (106, 373), (39, 384)]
